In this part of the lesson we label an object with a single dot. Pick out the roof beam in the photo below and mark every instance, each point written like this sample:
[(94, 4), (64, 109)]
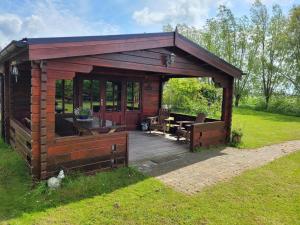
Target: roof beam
[(197, 51), (45, 51)]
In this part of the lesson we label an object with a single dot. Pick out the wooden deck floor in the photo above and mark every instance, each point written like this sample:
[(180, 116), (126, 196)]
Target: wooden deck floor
[(144, 146)]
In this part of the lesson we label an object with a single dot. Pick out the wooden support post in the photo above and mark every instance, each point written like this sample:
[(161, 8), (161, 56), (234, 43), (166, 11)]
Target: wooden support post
[(160, 92), (6, 103), (43, 121), (227, 108), (35, 120)]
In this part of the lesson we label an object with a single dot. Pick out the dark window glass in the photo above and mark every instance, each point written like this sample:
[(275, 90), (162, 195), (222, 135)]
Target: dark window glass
[(86, 94), (91, 95), (96, 95), (113, 96), (133, 95), (68, 96), (64, 96)]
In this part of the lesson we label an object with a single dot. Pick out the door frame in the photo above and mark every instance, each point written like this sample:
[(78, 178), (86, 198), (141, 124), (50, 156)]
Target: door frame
[(123, 113)]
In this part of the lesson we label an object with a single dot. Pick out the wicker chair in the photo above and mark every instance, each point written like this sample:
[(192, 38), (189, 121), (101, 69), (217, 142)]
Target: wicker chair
[(158, 122), (185, 132)]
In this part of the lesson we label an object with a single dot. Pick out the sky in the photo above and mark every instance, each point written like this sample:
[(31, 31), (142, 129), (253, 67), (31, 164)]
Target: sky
[(50, 18)]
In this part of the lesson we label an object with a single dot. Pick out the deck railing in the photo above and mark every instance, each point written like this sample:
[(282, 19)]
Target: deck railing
[(207, 134), (20, 140), (88, 153), (210, 133)]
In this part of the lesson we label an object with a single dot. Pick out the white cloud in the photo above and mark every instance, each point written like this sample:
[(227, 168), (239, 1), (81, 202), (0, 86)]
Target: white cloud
[(10, 24), (193, 12), (272, 2), (48, 19)]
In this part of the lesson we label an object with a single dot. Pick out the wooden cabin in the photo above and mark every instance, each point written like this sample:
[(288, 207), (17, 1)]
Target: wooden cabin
[(119, 78)]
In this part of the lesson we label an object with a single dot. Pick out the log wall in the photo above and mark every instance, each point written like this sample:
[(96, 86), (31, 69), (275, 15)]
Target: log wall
[(208, 134), (20, 140), (88, 153), (20, 96)]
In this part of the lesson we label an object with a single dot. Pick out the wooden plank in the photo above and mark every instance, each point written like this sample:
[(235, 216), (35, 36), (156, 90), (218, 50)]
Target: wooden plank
[(101, 47), (105, 61), (201, 53), (86, 151)]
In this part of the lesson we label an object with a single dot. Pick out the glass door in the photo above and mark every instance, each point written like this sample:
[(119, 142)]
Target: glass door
[(113, 107), (91, 96)]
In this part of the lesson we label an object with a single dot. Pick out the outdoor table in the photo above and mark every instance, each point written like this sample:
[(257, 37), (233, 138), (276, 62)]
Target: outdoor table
[(186, 122), (95, 124)]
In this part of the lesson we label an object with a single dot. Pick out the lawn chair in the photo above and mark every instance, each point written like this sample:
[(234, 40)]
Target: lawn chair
[(185, 132), (158, 122)]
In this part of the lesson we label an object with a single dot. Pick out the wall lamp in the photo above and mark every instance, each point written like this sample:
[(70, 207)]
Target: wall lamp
[(14, 70), (170, 59)]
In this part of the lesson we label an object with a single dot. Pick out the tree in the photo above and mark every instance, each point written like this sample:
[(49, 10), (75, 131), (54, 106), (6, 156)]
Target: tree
[(190, 95), (269, 36), (292, 65), (227, 37)]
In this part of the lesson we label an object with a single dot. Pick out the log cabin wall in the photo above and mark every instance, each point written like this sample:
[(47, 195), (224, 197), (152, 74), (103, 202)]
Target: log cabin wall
[(7, 103), (207, 134), (151, 96), (35, 119), (20, 140), (20, 96), (88, 153)]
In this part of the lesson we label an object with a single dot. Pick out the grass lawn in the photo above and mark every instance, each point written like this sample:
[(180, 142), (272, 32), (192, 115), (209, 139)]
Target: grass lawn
[(268, 195), (262, 128)]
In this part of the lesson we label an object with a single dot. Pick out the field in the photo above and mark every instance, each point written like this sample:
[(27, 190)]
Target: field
[(262, 128), (267, 195)]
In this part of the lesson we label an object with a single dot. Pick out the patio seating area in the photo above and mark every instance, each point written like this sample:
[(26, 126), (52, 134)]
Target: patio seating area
[(145, 146)]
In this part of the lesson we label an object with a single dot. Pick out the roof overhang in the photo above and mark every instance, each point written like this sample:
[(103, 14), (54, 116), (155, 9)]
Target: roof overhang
[(13, 49), (54, 48)]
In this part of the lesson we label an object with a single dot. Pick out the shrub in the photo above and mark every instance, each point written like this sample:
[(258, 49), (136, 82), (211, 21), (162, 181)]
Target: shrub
[(236, 137), (281, 104), (191, 96), (288, 105)]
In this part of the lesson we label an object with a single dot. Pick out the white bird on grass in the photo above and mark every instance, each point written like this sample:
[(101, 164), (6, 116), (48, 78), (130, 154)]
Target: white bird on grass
[(54, 182)]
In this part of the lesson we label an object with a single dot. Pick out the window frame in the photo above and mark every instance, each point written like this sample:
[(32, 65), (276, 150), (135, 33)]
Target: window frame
[(91, 94), (63, 95), (132, 95), (116, 96)]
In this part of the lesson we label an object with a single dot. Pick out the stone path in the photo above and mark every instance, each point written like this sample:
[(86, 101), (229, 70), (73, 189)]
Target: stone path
[(191, 172)]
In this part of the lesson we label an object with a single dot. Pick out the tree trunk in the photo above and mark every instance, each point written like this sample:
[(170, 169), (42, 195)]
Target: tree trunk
[(267, 101), (237, 100)]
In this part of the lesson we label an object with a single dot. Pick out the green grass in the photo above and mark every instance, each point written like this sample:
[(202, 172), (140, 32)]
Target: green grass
[(262, 128), (268, 195)]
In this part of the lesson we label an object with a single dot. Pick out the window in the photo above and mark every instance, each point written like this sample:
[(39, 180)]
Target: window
[(91, 95), (133, 95), (64, 96), (113, 96)]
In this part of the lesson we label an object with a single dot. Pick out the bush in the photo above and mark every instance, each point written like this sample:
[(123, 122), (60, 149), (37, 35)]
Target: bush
[(191, 96), (281, 104), (288, 105), (236, 137)]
